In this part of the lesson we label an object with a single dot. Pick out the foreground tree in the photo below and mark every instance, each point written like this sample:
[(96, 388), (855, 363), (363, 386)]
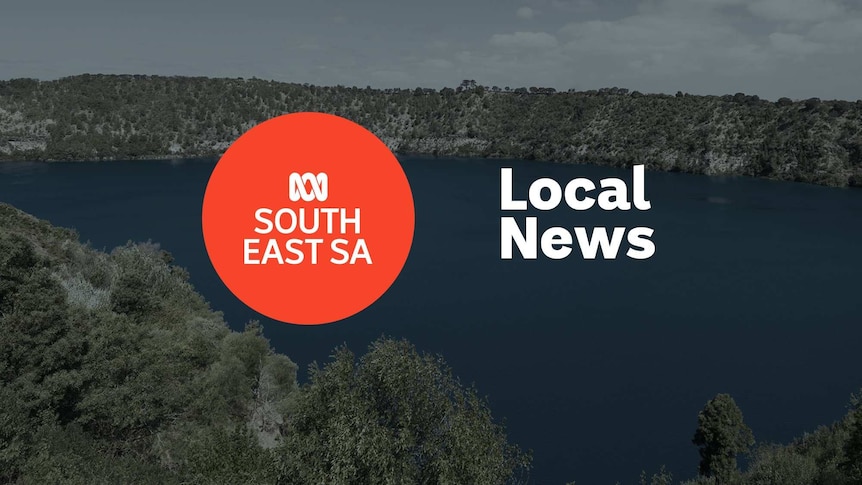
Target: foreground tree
[(395, 417), (721, 435), (852, 463)]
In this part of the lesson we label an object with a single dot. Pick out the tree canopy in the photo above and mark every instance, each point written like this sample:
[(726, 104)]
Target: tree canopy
[(395, 416), (721, 435), (114, 370)]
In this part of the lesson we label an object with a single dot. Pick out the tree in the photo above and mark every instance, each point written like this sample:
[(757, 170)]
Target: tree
[(395, 417), (468, 84), (721, 435), (663, 477), (785, 465), (219, 455), (852, 463)]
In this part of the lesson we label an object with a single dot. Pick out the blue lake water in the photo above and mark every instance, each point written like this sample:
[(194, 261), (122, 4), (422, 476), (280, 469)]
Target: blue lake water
[(600, 367)]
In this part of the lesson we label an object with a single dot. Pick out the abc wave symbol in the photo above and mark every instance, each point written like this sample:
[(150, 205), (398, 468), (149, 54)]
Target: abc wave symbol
[(309, 187)]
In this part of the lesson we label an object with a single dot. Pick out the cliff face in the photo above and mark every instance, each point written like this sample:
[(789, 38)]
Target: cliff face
[(109, 117)]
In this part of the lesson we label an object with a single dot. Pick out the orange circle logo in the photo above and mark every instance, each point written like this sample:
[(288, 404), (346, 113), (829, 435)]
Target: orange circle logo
[(308, 218)]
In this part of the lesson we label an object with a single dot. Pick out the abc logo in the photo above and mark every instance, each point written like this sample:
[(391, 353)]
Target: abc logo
[(288, 246), (308, 187)]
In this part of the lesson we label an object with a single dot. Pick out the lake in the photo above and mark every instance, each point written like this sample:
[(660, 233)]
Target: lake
[(600, 367)]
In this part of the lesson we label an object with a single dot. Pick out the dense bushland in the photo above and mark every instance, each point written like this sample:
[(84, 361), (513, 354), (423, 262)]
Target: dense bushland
[(92, 117)]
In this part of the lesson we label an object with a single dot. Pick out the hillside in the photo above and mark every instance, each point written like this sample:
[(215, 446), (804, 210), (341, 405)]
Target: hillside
[(114, 370), (91, 117)]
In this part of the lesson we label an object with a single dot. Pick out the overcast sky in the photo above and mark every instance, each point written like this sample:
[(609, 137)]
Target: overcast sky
[(773, 48)]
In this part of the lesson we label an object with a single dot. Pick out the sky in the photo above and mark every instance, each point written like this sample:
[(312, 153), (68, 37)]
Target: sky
[(771, 48)]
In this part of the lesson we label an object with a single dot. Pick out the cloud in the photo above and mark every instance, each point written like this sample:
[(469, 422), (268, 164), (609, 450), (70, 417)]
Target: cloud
[(772, 48), (793, 45), (465, 57), (525, 13), (574, 6), (665, 43), (698, 46), (391, 76), (524, 40), (438, 64), (796, 11), (843, 33), (439, 45)]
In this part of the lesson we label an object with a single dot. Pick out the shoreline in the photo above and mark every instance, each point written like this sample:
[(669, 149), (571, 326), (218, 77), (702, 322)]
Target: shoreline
[(430, 156), (162, 118)]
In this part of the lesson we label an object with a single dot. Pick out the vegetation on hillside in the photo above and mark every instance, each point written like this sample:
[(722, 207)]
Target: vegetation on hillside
[(114, 370), (91, 117), (830, 455)]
